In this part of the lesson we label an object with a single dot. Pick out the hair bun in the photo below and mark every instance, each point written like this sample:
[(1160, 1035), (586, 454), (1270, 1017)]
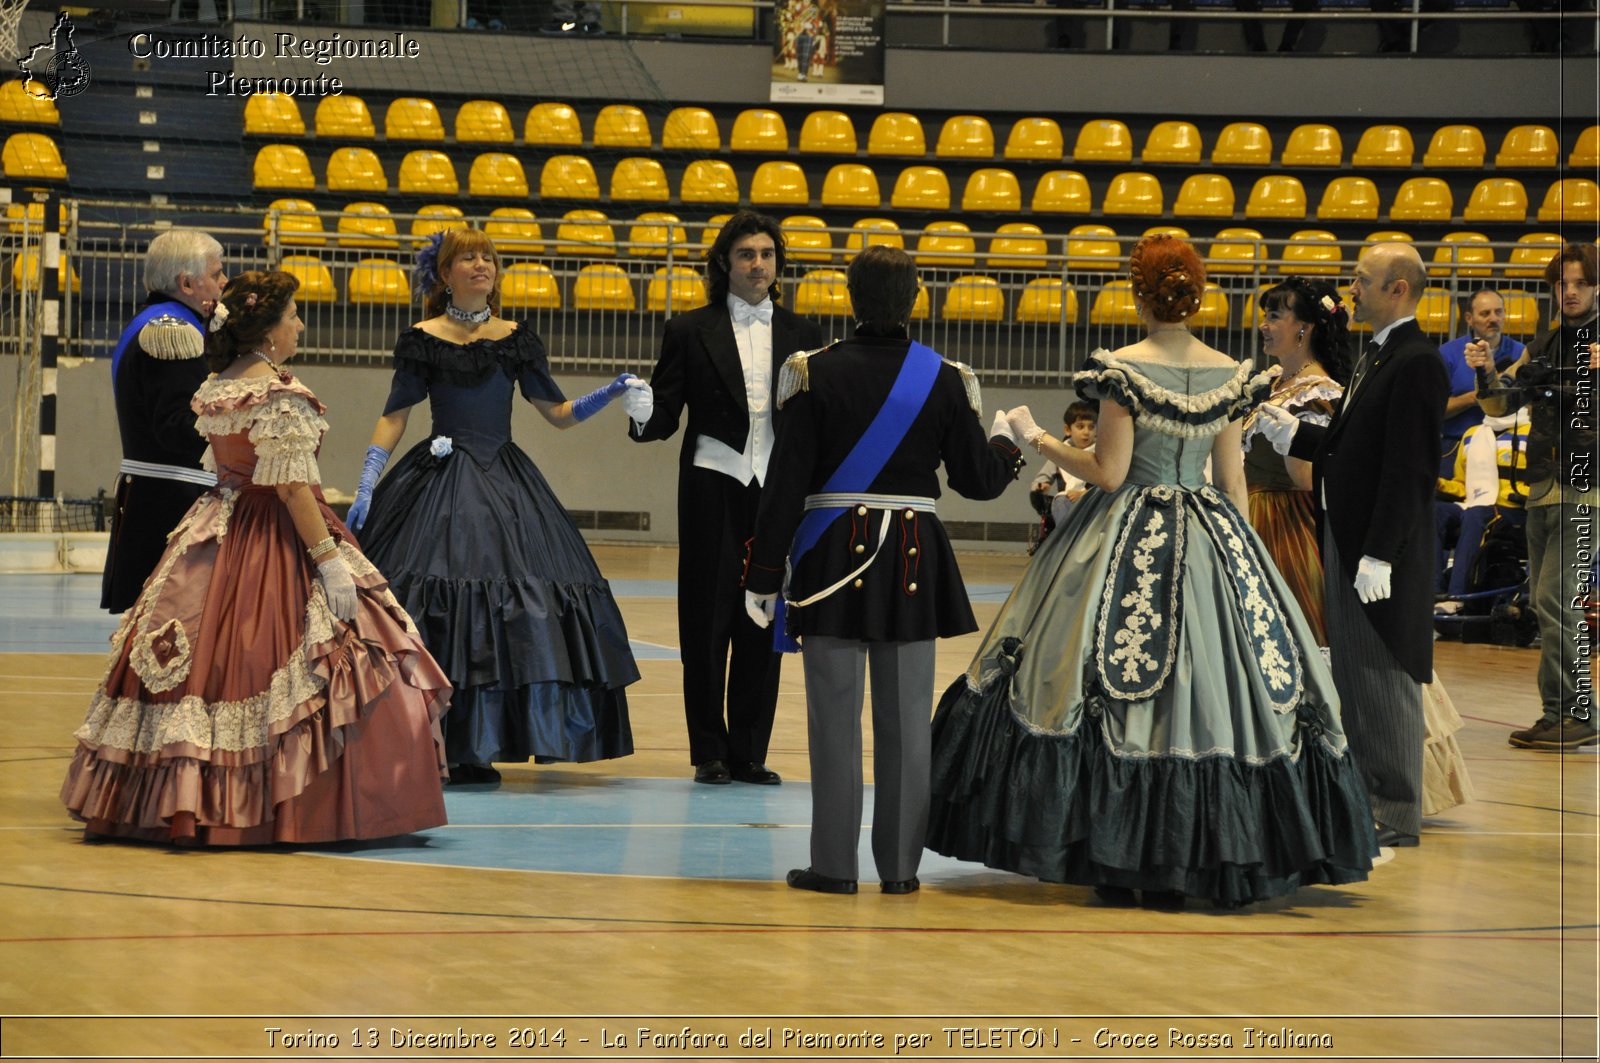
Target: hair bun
[(1168, 277)]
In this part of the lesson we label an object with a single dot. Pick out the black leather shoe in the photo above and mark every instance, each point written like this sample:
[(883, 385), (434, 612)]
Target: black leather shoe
[(1117, 896), (712, 771), (901, 885), (473, 775), (1390, 838), (803, 878), (751, 772), (1161, 900)]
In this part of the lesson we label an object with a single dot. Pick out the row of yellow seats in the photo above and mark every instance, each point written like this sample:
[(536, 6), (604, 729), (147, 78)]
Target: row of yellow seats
[(32, 156), (286, 166)]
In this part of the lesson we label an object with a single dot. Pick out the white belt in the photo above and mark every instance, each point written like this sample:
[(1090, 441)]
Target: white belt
[(862, 503), (129, 467)]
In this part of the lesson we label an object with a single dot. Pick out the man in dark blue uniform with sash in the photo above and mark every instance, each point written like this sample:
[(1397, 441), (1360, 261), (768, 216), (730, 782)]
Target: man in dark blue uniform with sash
[(848, 510), (155, 370)]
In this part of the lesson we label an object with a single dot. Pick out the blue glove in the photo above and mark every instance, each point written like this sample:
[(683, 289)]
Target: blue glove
[(371, 469), (600, 398)]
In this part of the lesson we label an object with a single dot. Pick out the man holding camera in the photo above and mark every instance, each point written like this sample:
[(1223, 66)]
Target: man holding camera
[(1555, 376)]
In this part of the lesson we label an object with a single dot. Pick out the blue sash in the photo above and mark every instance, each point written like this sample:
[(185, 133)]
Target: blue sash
[(144, 317), (862, 465)]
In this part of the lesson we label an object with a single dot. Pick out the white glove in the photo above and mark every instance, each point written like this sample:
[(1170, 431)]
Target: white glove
[(339, 585), (1278, 425), (639, 401), (1001, 426), (760, 607), (1372, 579), (1022, 427)]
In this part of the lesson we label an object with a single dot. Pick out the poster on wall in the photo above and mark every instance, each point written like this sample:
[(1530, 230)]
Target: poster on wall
[(828, 50)]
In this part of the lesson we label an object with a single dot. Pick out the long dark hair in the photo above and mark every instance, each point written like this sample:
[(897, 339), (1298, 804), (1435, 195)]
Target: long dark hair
[(256, 302), (745, 223), (1304, 298)]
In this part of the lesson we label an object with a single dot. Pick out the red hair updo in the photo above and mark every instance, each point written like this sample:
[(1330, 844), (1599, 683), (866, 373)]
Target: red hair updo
[(1168, 277)]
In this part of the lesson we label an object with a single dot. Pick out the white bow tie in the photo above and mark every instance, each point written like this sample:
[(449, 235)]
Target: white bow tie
[(744, 313)]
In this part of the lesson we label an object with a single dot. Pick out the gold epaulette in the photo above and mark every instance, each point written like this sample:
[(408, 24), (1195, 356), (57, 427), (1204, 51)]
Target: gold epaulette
[(171, 339), (969, 380), (795, 376)]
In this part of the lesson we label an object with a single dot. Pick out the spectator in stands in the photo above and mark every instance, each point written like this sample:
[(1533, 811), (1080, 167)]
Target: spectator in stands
[(1485, 316), (1490, 480), (1555, 375), (156, 368), (1055, 491), (721, 361)]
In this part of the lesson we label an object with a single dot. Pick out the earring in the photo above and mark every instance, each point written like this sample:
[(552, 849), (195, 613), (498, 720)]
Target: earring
[(448, 290), (1301, 335), (273, 344)]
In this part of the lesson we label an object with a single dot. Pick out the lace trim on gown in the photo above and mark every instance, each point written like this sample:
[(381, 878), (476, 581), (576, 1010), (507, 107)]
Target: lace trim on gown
[(470, 364), (283, 417), (1171, 412)]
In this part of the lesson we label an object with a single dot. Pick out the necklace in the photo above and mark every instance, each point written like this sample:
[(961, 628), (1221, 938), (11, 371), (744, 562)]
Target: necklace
[(276, 368), (466, 317)]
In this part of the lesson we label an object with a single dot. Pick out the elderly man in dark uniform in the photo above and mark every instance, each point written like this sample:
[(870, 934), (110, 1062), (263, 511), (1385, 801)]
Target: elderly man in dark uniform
[(720, 362), (850, 504), (155, 369)]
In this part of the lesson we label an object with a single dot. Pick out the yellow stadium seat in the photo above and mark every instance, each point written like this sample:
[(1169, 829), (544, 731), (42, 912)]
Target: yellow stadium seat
[(568, 177), (495, 173), (896, 133), (822, 293), (828, 133), (1436, 312), (779, 182), (1312, 252), (640, 179), (1035, 138), (991, 189), (356, 170), (1455, 146), (27, 272), (678, 288), (690, 129), (1093, 247), (346, 117), (1168, 230), (367, 225), (1463, 254), (920, 306), (759, 129), (709, 181), (413, 118), (1313, 144), (1242, 144), (1013, 241), (1173, 142), (553, 125), (1586, 152), (1103, 140), (587, 233), (428, 173), (515, 230), (1384, 145), (1045, 302), (30, 102), (1531, 254), (277, 166), (1389, 236), (1114, 305), (713, 228), (1061, 192), (621, 125), (921, 188), (1529, 145), (868, 232), (266, 114), (1497, 199), (965, 136), (529, 286), (1204, 195), (316, 280), (653, 232), (851, 184), (806, 239), (946, 243), (1522, 313), (602, 286), (1235, 251), (1134, 193), (1276, 196), (298, 224), (484, 122), (379, 281), (1422, 199), (435, 218), (1353, 198), (1358, 327), (1572, 199), (1213, 309), (974, 298)]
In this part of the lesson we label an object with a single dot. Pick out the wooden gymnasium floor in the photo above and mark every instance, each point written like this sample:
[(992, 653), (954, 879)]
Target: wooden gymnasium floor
[(593, 900)]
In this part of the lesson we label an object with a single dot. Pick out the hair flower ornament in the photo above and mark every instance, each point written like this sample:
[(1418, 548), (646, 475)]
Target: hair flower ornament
[(1335, 308), (426, 274), (441, 446), (219, 316)]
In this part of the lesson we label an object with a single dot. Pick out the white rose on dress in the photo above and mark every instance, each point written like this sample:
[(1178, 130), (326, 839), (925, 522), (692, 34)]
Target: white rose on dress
[(441, 446)]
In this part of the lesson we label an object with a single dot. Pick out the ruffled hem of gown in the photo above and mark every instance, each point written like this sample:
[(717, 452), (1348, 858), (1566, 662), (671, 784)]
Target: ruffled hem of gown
[(1445, 782), (1065, 808), (544, 722)]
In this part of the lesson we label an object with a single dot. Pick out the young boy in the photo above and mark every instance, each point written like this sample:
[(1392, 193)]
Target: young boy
[(1054, 493)]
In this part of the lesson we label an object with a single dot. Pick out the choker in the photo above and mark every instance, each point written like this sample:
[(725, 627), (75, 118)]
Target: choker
[(468, 317)]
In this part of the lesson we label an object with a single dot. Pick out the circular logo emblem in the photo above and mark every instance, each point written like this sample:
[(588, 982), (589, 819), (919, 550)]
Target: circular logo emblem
[(68, 74)]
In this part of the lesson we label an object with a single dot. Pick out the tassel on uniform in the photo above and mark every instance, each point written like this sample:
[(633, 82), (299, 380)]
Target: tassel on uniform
[(171, 339)]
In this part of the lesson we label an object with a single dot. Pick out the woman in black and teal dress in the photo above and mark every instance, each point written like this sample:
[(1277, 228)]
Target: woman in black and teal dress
[(475, 544)]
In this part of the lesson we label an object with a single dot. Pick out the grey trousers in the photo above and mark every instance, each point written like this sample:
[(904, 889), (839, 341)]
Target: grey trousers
[(902, 708), (1555, 576), (1380, 703)]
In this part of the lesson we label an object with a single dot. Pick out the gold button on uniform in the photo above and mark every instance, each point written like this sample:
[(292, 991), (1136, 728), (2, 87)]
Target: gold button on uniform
[(911, 552), (910, 513), (912, 587), (861, 511), (859, 584), (861, 548)]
